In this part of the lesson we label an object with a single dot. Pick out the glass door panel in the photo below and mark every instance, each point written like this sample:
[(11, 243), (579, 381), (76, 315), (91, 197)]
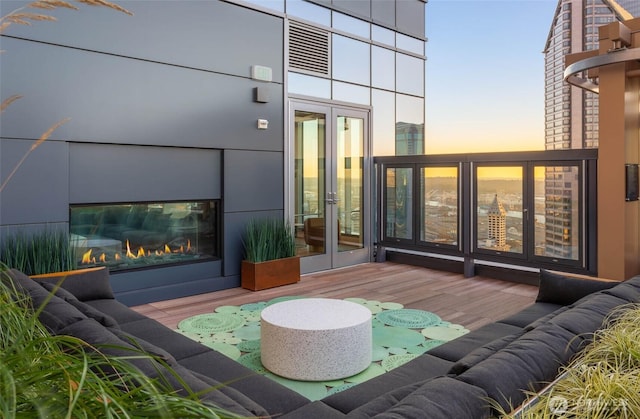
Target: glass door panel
[(330, 182), (349, 194), (310, 182)]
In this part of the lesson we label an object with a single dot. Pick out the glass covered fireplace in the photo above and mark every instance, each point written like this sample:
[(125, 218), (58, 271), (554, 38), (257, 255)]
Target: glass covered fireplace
[(140, 235)]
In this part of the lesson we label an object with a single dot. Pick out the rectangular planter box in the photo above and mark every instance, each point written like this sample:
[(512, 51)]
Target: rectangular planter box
[(269, 274)]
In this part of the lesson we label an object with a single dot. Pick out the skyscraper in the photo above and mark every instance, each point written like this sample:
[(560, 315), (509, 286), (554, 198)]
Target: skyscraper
[(571, 114), (497, 226)]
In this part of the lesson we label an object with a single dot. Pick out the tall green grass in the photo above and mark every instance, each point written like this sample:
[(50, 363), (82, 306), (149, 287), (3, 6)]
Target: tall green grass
[(38, 253), (268, 239), (603, 381), (45, 376)]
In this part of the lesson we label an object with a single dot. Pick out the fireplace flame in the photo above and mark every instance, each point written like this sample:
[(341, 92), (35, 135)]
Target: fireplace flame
[(88, 258)]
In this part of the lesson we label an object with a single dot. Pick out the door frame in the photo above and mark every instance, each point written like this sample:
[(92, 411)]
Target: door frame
[(333, 258)]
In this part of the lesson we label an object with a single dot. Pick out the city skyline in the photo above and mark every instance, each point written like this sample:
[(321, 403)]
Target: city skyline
[(485, 75)]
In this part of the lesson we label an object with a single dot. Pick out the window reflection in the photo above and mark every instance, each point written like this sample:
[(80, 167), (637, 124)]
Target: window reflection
[(350, 60), (409, 75), (383, 35), (384, 122), (350, 24), (309, 85), (439, 197), (350, 93), (409, 125), (309, 11), (399, 203), (410, 44), (557, 211), (383, 69)]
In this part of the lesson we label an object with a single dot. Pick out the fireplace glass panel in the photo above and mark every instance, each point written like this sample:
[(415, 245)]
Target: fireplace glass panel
[(140, 235)]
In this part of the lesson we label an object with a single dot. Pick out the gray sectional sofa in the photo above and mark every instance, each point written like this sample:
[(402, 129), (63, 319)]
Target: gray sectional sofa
[(499, 362)]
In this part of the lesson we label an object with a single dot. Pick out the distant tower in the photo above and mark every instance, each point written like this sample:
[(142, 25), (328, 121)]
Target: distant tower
[(571, 114), (497, 221)]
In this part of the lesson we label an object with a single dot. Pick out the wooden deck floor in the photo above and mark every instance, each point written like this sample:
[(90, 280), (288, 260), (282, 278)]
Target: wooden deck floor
[(471, 302)]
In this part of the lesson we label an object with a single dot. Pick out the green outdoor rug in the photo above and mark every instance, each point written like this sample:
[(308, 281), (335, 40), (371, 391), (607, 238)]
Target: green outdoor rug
[(399, 335)]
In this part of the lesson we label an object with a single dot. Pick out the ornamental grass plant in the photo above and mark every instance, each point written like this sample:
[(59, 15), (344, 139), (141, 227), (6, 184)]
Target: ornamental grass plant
[(268, 239), (603, 381), (38, 253), (45, 376)]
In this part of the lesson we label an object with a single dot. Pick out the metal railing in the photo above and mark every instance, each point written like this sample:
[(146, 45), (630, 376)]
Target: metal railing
[(525, 209)]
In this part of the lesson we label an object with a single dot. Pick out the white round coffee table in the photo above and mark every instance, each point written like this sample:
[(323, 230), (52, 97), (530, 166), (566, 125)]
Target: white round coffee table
[(316, 339)]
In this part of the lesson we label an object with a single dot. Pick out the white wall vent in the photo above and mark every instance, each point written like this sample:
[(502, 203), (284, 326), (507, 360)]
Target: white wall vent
[(309, 49)]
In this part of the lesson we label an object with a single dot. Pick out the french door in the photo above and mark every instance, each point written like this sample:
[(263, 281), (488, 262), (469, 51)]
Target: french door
[(330, 186)]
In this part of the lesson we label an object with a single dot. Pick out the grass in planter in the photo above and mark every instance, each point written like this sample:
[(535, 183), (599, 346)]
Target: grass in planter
[(268, 239), (603, 381), (38, 253), (60, 376)]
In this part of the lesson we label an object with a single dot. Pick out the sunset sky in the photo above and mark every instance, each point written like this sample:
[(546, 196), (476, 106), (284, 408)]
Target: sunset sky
[(485, 74)]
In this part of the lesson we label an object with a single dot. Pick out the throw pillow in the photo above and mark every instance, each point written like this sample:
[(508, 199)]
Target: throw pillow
[(565, 290)]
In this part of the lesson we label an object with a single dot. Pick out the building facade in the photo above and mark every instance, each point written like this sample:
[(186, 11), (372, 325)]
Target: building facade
[(571, 114), (191, 118)]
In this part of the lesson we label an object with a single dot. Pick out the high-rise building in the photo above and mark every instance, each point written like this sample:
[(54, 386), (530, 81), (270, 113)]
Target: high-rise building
[(571, 114), (497, 226)]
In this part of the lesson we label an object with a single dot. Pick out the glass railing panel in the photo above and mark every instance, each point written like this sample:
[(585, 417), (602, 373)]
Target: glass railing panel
[(499, 220), (557, 211), (399, 203), (439, 205)]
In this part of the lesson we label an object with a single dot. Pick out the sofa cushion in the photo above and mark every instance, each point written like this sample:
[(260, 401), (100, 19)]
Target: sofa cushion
[(84, 308), (313, 410), (564, 290), (165, 370), (482, 353), (525, 317), (527, 364), (53, 312), (456, 349), (438, 398), (114, 308), (85, 284), (588, 315), (423, 367), (629, 291), (274, 397), (178, 345)]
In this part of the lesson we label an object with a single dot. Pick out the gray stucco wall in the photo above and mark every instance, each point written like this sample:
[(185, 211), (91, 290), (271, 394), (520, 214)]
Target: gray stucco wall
[(167, 89)]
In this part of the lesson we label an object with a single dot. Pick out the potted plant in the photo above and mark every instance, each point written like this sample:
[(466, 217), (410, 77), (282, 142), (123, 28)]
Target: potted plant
[(269, 255)]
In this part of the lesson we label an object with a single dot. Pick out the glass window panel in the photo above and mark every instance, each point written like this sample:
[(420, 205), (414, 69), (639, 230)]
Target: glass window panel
[(309, 85), (499, 211), (557, 212), (277, 5), (383, 35), (409, 125), (410, 44), (309, 11), (350, 174), (351, 93), (384, 122), (399, 203), (351, 24), (383, 68), (439, 198), (351, 60), (409, 75)]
